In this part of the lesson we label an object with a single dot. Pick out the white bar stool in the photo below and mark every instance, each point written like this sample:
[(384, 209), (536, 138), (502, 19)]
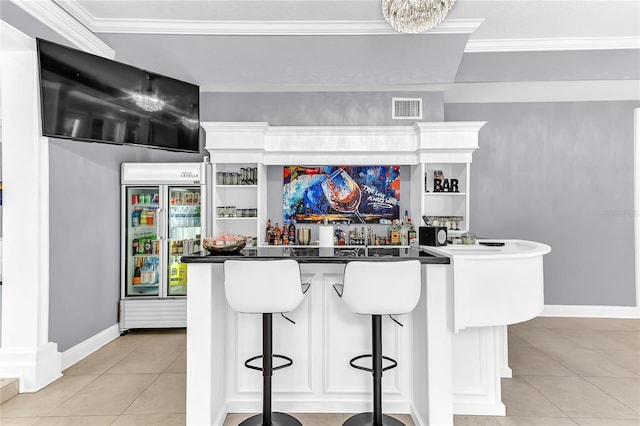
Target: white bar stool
[(376, 289), (265, 287)]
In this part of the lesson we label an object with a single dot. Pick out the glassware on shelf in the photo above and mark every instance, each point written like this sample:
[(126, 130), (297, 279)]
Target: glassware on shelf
[(245, 176)]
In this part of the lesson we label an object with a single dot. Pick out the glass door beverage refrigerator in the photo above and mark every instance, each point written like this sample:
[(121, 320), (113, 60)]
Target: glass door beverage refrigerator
[(164, 206)]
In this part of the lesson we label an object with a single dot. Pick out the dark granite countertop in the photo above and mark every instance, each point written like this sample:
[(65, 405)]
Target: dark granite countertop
[(321, 254)]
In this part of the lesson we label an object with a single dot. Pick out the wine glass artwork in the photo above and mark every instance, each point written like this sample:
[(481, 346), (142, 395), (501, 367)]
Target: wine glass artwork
[(343, 193)]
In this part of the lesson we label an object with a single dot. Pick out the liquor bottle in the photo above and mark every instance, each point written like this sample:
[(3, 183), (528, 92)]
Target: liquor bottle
[(404, 230), (134, 245), (285, 232), (137, 273), (292, 231), (413, 240), (277, 234), (394, 233), (268, 233)]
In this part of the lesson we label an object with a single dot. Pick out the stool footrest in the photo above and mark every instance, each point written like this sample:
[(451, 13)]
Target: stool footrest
[(393, 362), (253, 358)]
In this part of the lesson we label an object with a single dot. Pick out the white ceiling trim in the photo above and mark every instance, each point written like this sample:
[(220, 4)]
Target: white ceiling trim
[(552, 44), (137, 26), (292, 27), (59, 21)]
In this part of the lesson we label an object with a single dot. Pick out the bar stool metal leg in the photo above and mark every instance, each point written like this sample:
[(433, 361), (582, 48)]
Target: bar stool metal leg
[(376, 418), (268, 418), (267, 366)]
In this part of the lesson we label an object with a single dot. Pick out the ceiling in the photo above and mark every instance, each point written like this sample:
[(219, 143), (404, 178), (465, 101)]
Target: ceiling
[(482, 46), (501, 19)]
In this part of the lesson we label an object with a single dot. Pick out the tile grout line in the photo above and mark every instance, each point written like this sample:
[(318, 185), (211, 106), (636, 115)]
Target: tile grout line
[(612, 396), (543, 395)]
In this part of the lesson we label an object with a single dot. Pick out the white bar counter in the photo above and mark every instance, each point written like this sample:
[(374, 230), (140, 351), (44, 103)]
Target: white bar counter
[(435, 377)]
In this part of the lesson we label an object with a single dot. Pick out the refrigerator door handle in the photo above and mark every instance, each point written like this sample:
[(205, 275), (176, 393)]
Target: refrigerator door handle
[(161, 224)]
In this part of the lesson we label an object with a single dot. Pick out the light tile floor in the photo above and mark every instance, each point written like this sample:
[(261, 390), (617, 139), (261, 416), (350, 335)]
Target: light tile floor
[(567, 371)]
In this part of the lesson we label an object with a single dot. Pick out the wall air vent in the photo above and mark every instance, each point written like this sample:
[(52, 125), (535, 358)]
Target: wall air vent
[(407, 108)]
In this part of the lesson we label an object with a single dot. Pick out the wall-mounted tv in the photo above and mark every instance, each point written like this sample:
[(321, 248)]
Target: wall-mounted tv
[(90, 98)]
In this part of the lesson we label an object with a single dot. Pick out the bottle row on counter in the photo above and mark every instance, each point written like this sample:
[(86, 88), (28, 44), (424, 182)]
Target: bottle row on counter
[(277, 236), (397, 233)]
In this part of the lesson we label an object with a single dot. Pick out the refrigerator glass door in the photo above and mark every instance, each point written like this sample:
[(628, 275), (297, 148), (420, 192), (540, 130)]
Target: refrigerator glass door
[(184, 234), (142, 245)]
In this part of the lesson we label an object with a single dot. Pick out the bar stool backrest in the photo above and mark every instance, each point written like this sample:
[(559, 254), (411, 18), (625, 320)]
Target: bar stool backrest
[(382, 288), (262, 286)]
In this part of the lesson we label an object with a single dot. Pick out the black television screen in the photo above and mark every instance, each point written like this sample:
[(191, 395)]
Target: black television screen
[(90, 98)]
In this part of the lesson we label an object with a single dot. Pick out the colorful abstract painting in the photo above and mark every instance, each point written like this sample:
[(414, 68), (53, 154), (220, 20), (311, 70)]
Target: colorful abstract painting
[(341, 193)]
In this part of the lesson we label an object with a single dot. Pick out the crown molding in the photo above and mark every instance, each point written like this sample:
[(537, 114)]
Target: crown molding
[(552, 44), (50, 14), (270, 27), (238, 27)]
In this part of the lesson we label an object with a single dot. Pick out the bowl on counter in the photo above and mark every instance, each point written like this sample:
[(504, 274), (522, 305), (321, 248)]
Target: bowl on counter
[(217, 245)]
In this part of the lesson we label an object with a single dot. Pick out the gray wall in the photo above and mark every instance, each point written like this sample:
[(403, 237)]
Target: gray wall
[(562, 174), (316, 108), (84, 237)]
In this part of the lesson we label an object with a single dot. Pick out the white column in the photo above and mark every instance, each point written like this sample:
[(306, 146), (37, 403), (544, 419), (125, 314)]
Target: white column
[(433, 330), (26, 352), (636, 210), (206, 344)]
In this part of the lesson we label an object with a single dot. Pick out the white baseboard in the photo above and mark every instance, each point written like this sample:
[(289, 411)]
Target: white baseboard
[(89, 346), (479, 409), (590, 311)]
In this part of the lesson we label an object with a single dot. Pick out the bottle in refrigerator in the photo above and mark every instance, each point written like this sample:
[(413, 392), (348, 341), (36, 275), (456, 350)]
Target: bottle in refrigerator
[(182, 274), (174, 271), (137, 273), (135, 218)]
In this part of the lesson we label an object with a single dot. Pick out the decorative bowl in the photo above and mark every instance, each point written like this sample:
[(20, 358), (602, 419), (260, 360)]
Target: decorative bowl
[(219, 246)]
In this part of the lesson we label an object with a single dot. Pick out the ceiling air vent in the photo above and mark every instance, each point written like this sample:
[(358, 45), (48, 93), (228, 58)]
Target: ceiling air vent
[(407, 108)]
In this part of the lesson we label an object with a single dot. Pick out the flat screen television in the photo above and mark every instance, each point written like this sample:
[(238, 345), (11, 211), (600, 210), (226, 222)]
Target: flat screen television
[(90, 98)]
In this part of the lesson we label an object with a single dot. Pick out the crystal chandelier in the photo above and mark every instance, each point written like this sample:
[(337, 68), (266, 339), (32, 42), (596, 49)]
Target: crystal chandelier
[(415, 16), (148, 102), (147, 99)]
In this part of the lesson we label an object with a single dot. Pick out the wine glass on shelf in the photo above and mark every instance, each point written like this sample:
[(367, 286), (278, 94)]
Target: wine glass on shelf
[(343, 193)]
